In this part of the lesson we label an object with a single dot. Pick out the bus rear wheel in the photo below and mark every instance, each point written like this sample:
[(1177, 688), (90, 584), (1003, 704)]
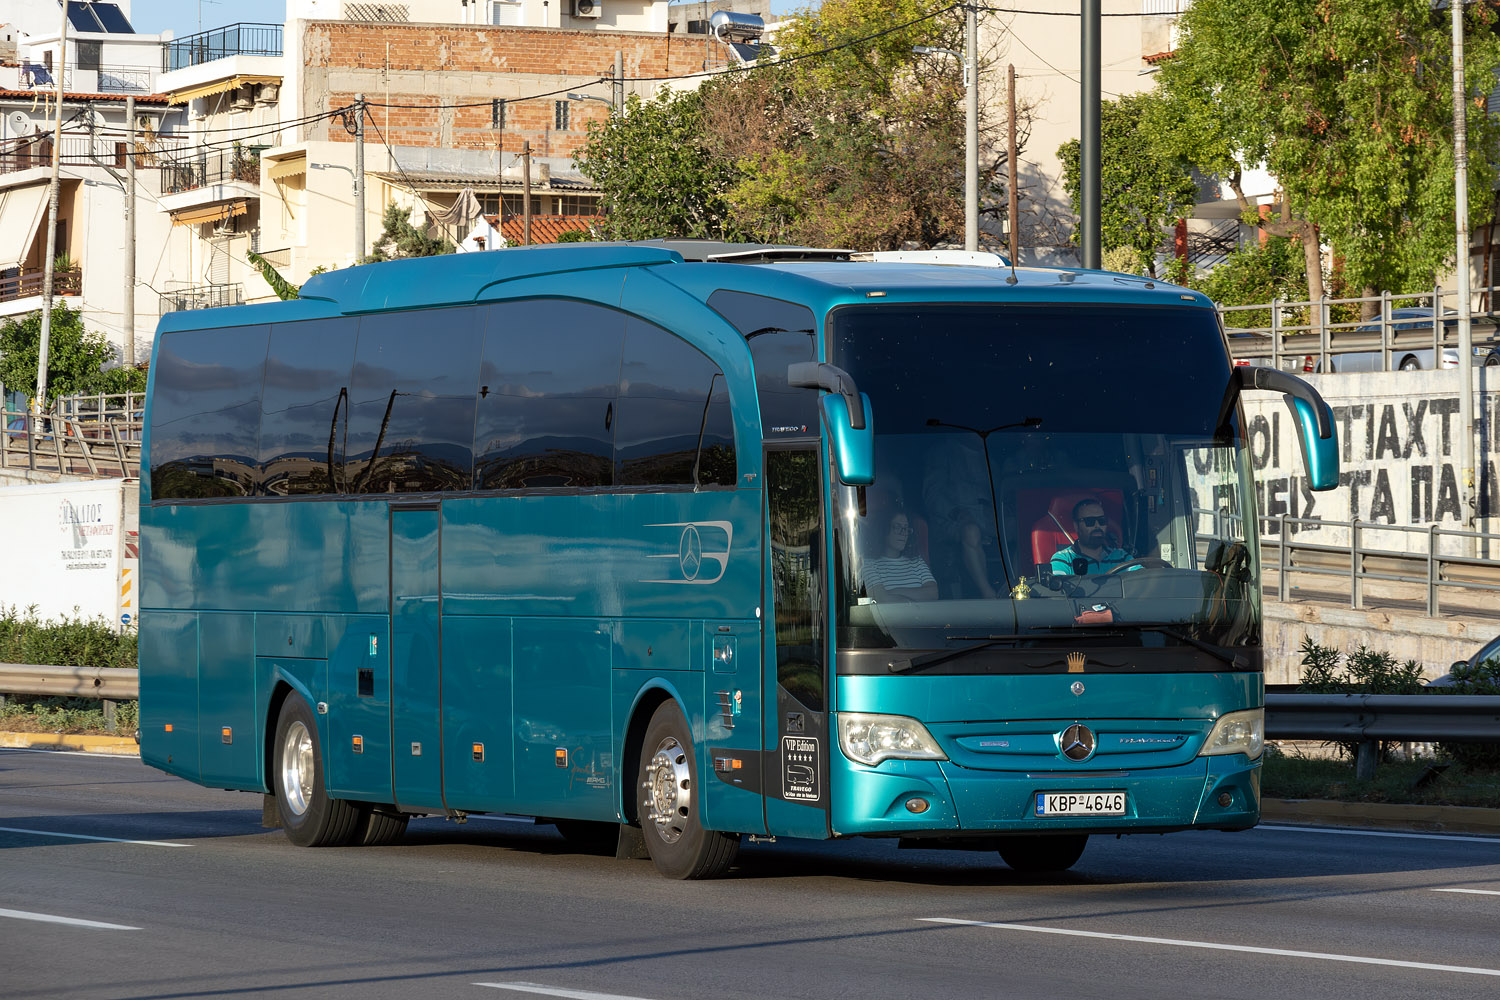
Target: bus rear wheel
[(310, 817), (1054, 853), (668, 787)]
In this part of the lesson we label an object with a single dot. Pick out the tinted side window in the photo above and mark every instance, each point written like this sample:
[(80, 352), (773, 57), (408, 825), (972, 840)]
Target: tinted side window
[(547, 391), (674, 420), (305, 407), (780, 333), (411, 402), (205, 412)]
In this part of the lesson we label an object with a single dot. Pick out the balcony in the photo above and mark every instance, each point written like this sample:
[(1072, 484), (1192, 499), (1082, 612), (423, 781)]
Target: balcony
[(186, 297), (222, 167), (222, 43), (21, 289)]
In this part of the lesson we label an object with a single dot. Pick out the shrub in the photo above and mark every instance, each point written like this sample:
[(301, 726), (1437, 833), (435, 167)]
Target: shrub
[(1364, 671), (65, 642)]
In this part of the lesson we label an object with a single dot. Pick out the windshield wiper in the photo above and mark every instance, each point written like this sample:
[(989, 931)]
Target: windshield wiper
[(944, 655), (1124, 628)]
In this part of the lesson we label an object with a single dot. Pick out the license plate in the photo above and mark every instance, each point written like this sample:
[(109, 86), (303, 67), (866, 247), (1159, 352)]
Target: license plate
[(1080, 803)]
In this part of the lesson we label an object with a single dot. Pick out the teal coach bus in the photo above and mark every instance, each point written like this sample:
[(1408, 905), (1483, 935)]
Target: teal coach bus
[(674, 543)]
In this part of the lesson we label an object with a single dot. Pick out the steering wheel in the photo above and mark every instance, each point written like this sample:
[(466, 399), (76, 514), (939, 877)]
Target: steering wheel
[(1146, 562)]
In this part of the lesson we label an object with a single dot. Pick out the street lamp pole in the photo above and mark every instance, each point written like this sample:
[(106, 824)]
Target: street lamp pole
[(971, 128), (1088, 138), (1465, 338)]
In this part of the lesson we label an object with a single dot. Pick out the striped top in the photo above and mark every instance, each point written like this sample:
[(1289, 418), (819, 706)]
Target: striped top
[(897, 574)]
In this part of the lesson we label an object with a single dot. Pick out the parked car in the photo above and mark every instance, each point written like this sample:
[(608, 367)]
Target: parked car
[(1408, 358), (1490, 651)]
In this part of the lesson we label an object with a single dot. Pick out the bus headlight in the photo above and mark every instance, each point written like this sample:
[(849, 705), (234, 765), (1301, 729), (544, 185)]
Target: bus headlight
[(1237, 732), (870, 739)]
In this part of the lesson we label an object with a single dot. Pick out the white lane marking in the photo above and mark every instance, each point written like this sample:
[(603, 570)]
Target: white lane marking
[(82, 836), (552, 991), (1477, 892), (1214, 946), (1495, 841), (48, 918)]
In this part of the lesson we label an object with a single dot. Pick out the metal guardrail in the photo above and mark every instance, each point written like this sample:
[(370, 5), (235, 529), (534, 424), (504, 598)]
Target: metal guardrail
[(109, 684), (1358, 563), (1366, 719), (70, 446), (1288, 343)]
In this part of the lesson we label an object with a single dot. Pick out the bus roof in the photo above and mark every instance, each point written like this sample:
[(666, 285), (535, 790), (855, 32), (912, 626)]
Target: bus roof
[(818, 278)]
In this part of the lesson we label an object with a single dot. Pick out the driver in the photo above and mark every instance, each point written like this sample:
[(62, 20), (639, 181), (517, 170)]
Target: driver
[(1091, 551)]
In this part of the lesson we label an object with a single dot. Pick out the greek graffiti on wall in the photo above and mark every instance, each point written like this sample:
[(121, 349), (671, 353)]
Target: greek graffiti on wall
[(1400, 451)]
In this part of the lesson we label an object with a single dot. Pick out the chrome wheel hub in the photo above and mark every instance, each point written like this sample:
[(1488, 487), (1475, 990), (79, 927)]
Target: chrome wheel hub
[(668, 801), (297, 768)]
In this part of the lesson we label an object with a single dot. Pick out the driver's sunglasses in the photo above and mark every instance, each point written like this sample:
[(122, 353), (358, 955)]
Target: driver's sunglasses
[(1089, 522)]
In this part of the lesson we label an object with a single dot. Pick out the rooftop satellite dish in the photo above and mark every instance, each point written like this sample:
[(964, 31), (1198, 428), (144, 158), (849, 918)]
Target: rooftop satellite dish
[(19, 123)]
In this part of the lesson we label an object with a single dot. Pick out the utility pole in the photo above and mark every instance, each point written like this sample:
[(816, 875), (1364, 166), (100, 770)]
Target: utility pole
[(971, 128), (1013, 209), (526, 193), (1088, 139), (129, 308), (1465, 335), (619, 82), (47, 265), (359, 178)]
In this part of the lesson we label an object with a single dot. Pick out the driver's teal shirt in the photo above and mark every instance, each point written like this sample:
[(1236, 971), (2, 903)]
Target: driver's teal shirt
[(1063, 560)]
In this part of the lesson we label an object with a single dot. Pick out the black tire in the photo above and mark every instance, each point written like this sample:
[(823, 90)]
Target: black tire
[(1052, 853), (1410, 365), (309, 816), (666, 786), (1492, 361), (380, 826), (588, 836)]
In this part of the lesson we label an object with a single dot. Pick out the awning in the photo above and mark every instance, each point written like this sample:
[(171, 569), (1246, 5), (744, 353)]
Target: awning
[(289, 167), (21, 211), (217, 87), (212, 213)]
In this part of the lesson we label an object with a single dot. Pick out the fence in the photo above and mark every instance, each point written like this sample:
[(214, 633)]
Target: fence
[(1310, 345), (78, 445), (244, 39), (24, 283), (109, 684), (200, 297), (1366, 719)]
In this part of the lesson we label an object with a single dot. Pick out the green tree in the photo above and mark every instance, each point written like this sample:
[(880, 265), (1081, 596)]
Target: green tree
[(285, 290), (1256, 273), (857, 139), (75, 357), (1349, 106), (658, 177), (1143, 189), (399, 238)]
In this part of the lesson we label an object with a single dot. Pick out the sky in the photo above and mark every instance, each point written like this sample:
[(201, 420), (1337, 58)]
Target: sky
[(182, 16)]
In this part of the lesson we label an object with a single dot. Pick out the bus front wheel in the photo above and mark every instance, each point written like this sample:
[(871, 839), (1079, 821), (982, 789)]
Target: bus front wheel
[(309, 816), (668, 797), (1055, 853)]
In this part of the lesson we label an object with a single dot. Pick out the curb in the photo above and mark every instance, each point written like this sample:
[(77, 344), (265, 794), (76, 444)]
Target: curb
[(117, 746), (1382, 816)]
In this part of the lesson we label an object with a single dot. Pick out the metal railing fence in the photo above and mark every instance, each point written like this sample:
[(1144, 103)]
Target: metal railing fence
[(1287, 343), (110, 685), (244, 39), (1367, 719), (200, 297), (1358, 563)]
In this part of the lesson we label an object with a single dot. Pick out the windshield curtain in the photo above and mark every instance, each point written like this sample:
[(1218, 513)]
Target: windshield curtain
[(1044, 470)]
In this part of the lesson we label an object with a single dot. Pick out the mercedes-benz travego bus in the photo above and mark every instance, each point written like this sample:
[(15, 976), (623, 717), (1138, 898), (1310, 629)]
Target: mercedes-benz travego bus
[(672, 544)]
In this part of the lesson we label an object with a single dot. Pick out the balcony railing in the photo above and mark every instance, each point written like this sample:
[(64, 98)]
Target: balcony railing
[(1166, 6), (201, 297), (221, 43), (219, 167), (17, 283), (93, 79), (79, 149)]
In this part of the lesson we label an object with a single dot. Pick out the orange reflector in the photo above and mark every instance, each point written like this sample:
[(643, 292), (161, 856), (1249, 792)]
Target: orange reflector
[(561, 756), (226, 734), (359, 744), (478, 751), (169, 727), (737, 764)]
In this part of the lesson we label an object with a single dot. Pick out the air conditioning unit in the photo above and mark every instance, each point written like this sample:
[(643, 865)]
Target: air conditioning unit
[(244, 99), (587, 8), (19, 123)]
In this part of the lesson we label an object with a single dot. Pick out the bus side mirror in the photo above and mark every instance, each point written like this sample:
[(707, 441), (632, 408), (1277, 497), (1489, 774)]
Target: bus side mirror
[(846, 414), (1310, 415), (853, 450)]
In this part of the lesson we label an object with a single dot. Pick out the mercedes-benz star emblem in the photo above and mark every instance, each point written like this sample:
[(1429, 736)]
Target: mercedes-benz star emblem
[(690, 553), (1078, 742)]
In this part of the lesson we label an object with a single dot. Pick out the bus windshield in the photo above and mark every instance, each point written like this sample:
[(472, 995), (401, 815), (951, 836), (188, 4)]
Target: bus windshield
[(1044, 471)]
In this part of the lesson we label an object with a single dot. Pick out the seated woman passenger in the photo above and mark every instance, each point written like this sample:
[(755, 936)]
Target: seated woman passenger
[(1092, 550), (898, 574)]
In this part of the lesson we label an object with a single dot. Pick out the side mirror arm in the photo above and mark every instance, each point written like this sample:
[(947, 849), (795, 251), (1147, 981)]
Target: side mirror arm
[(829, 378), (1252, 377)]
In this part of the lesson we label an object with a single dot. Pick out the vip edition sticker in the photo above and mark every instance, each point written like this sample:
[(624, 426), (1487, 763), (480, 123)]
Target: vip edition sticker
[(799, 769)]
